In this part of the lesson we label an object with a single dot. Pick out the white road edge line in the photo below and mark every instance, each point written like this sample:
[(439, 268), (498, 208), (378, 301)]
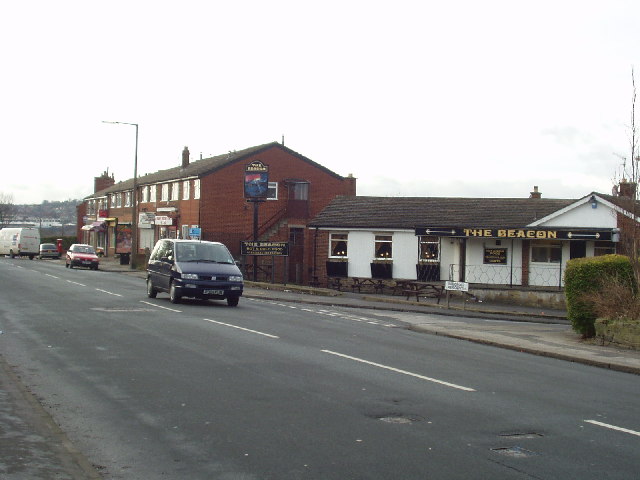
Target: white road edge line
[(241, 328), (404, 372), (613, 427), (76, 283), (110, 293), (52, 276), (160, 306)]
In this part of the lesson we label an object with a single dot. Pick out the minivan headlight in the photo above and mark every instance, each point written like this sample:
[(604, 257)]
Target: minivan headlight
[(235, 278), (190, 276)]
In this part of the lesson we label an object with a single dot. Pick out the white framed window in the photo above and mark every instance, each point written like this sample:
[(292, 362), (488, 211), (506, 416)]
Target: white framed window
[(165, 192), (127, 199), (604, 248), (186, 190), (145, 194), (338, 245), (430, 249), (119, 199), (196, 188), (383, 247), (152, 194), (272, 192), (185, 231), (546, 251), (175, 191)]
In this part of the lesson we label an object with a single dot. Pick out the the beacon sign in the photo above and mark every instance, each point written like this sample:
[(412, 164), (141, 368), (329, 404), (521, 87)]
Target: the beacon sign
[(521, 233)]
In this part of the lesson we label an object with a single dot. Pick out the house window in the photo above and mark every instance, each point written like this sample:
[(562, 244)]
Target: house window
[(430, 249), (604, 248), (152, 193), (196, 188), (175, 191), (546, 252), (185, 190), (383, 244), (165, 192), (338, 245), (119, 199), (145, 195), (272, 192), (127, 199), (299, 191)]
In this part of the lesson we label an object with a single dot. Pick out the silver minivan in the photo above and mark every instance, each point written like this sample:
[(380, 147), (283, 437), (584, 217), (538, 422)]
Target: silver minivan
[(193, 269)]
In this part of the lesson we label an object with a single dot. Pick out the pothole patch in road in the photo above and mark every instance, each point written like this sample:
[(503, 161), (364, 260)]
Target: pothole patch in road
[(398, 418), (515, 452), (526, 435), (122, 309)]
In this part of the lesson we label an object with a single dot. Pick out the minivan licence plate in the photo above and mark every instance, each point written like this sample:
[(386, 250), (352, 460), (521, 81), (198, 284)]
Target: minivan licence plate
[(214, 292)]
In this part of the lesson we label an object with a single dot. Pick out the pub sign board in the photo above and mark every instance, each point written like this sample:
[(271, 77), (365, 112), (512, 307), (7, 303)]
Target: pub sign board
[(495, 256), (256, 180), (516, 233), (279, 249)]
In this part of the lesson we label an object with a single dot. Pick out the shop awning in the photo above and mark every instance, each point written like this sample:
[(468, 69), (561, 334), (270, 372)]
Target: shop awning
[(95, 227)]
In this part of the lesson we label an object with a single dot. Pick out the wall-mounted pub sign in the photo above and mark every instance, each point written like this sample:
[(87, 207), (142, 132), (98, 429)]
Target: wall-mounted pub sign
[(280, 249), (521, 233), (256, 180), (495, 256)]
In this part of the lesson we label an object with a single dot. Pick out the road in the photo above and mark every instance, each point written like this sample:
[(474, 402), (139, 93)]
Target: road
[(146, 389)]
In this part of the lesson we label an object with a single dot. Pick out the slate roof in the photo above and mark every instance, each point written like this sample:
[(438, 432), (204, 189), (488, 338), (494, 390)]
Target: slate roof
[(410, 212), (203, 167)]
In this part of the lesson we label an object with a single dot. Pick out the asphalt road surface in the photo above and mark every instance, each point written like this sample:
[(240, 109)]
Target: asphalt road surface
[(146, 390)]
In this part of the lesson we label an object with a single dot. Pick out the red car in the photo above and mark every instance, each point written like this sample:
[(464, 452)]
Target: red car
[(80, 255)]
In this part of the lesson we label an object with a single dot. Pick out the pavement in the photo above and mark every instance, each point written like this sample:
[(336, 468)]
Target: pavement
[(33, 447)]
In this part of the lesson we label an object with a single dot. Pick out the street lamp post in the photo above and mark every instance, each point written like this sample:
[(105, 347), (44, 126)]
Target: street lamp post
[(134, 201)]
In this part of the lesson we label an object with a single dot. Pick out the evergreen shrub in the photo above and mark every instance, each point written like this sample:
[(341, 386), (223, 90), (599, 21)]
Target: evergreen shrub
[(584, 278)]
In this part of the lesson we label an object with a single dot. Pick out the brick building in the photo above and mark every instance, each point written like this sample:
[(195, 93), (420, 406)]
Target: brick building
[(209, 194)]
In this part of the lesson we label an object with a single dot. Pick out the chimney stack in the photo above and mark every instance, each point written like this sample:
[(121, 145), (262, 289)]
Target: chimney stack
[(627, 189), (185, 157), (103, 181), (535, 193)]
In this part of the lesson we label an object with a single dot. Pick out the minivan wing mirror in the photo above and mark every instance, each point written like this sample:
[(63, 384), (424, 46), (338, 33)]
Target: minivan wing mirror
[(166, 259)]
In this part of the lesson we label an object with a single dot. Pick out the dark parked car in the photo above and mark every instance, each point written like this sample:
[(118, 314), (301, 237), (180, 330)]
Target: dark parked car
[(194, 269), (81, 255), (49, 250)]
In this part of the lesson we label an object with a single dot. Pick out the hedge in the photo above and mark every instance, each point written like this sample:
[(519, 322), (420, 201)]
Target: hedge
[(586, 275)]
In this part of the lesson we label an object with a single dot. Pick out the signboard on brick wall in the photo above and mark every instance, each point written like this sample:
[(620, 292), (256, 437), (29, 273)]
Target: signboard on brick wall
[(280, 249)]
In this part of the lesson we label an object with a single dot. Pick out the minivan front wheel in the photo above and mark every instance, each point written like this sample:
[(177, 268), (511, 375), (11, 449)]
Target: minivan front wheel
[(174, 296), (233, 301), (151, 291)]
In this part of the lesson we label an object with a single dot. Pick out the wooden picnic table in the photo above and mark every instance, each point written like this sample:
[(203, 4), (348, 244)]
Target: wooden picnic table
[(424, 289), (360, 282)]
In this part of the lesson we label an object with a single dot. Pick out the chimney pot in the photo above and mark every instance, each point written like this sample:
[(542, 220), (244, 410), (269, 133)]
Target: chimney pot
[(185, 157), (535, 193)]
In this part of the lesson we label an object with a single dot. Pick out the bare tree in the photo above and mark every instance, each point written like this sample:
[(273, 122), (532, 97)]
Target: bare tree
[(628, 191), (7, 209)]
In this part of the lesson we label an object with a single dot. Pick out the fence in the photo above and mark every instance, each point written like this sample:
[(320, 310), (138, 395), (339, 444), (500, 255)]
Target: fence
[(538, 275)]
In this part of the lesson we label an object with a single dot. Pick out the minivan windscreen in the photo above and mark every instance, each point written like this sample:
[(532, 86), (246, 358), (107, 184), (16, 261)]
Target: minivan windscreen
[(202, 252)]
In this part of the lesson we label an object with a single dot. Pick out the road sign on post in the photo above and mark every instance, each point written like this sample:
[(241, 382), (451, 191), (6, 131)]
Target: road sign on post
[(455, 287)]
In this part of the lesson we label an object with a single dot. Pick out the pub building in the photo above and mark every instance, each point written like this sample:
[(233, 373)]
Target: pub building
[(490, 242)]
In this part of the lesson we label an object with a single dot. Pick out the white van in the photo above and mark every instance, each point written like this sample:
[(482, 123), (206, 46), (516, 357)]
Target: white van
[(23, 242)]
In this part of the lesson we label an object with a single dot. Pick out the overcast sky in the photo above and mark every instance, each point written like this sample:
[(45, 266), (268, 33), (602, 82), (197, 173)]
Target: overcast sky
[(414, 98)]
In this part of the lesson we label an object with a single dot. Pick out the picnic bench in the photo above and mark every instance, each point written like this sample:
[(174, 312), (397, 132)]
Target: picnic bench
[(359, 283), (356, 283), (424, 289)]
